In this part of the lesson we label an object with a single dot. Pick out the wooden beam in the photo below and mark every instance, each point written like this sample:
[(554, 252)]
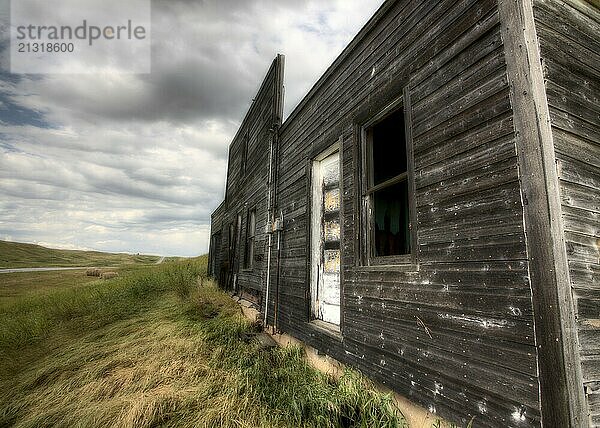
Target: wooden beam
[(561, 388)]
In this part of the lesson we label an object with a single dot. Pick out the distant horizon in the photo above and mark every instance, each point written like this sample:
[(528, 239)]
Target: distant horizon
[(122, 162), (70, 248)]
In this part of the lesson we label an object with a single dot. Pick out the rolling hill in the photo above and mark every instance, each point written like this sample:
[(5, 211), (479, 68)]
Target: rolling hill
[(20, 255)]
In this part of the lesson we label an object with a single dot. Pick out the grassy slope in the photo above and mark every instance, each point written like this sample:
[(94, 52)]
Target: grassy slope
[(32, 284), (16, 255), (153, 349), (13, 285)]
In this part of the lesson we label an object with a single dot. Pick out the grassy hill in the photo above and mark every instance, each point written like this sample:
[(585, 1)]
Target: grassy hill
[(158, 347), (19, 255)]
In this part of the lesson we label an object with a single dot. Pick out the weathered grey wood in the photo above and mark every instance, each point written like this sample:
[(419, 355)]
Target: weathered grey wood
[(568, 41), (560, 375)]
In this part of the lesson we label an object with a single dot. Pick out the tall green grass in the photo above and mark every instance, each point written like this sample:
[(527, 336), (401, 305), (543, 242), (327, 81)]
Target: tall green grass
[(26, 320), (156, 349)]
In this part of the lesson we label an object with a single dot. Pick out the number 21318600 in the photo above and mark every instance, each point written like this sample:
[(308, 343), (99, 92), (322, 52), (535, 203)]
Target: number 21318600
[(45, 47)]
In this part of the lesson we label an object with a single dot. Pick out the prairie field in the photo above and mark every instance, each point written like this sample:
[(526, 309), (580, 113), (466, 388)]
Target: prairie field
[(159, 346), (21, 255)]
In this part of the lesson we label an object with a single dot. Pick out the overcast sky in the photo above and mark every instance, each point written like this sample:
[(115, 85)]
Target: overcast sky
[(137, 163)]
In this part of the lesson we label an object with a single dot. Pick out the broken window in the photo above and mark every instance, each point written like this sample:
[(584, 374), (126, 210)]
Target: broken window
[(387, 191), (326, 237), (250, 231)]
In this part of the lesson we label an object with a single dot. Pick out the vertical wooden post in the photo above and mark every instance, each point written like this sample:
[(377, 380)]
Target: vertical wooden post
[(561, 389)]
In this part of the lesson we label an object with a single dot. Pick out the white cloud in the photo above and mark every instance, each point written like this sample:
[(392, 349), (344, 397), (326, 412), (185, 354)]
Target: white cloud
[(137, 162)]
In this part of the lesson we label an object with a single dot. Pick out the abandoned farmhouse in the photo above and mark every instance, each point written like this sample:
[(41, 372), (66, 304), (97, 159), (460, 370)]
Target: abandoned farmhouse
[(430, 212)]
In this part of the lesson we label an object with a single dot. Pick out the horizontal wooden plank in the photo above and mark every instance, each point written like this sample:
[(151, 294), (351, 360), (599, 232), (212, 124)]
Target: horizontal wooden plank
[(590, 366), (563, 99), (498, 224), (577, 172), (504, 201), (584, 275), (455, 368), (586, 305), (581, 221), (479, 135), (581, 197), (491, 152), (495, 247), (582, 248), (575, 138), (569, 21), (589, 336)]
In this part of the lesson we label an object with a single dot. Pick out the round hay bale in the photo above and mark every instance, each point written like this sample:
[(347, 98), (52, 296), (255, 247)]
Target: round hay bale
[(109, 275), (93, 272)]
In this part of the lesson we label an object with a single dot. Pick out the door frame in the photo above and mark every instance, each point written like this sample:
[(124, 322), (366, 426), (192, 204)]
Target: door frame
[(314, 231)]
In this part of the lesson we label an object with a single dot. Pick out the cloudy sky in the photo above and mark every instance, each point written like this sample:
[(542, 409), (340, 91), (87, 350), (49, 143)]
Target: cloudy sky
[(136, 162)]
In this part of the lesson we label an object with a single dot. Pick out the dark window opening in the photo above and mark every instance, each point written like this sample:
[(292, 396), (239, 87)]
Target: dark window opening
[(250, 231), (387, 189)]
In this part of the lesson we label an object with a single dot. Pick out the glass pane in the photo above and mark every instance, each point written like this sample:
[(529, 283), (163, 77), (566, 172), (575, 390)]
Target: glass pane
[(331, 262), (331, 230), (391, 218), (331, 202), (331, 170), (388, 142)]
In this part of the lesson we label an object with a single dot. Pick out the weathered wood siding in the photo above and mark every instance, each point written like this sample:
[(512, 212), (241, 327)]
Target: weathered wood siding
[(568, 33), (454, 332), (248, 183), (217, 250)]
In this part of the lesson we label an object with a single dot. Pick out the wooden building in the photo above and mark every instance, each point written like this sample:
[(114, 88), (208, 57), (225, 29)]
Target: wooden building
[(430, 211)]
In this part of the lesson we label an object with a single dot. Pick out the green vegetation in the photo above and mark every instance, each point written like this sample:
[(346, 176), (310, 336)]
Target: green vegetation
[(22, 284), (13, 285), (155, 348), (19, 255)]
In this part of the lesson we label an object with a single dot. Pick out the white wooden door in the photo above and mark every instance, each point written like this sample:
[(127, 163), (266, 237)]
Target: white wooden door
[(325, 225)]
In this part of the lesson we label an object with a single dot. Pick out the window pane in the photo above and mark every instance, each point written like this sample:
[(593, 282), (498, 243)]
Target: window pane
[(331, 200), (391, 218), (331, 230), (388, 148), (330, 168)]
